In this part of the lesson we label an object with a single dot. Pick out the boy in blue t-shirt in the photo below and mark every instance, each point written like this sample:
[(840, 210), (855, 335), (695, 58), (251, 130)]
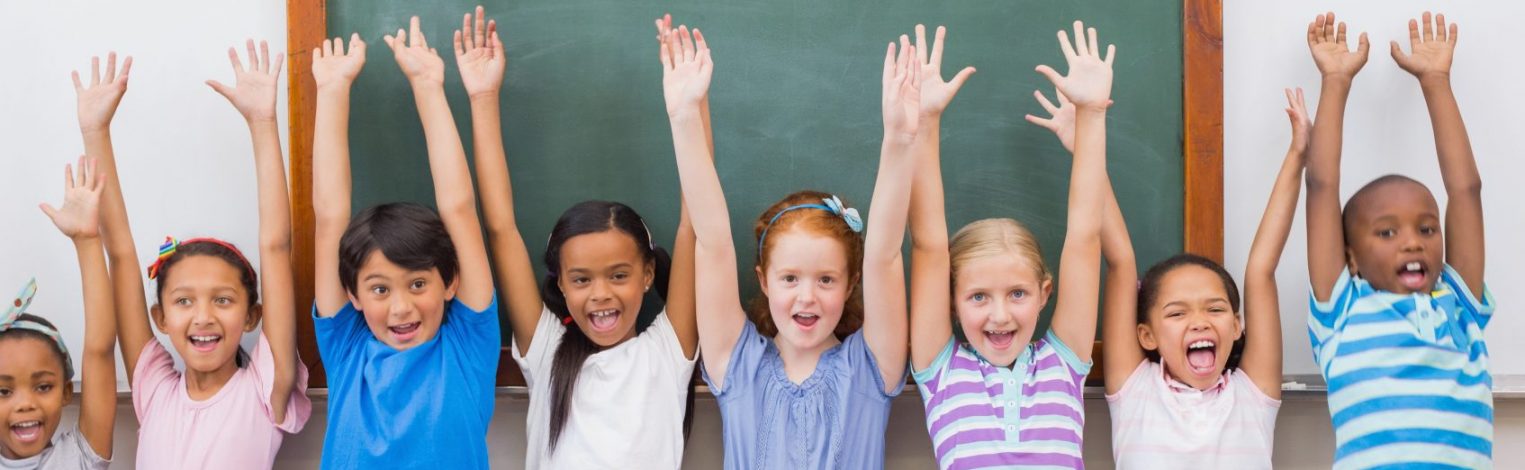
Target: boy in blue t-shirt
[(406, 317), (1398, 310)]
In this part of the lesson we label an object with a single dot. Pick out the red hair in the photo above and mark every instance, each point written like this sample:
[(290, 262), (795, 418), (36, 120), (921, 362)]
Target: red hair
[(816, 222)]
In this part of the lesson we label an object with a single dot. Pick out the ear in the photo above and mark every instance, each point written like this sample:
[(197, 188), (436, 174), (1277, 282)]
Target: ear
[(1239, 327), (157, 312), (69, 393), (1350, 262), (762, 280), (354, 302), (455, 284), (1048, 290), (649, 274), (1146, 337), (256, 312)]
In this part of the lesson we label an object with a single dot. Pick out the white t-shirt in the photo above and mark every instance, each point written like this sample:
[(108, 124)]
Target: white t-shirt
[(68, 451), (1158, 422), (627, 407)]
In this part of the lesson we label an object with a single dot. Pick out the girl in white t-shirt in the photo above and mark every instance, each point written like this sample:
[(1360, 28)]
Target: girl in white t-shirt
[(1189, 382), (606, 390)]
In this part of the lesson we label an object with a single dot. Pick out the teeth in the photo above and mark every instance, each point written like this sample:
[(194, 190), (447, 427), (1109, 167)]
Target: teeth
[(1201, 344), (205, 338), (806, 315), (27, 424), (601, 313), (997, 332), (1413, 266)]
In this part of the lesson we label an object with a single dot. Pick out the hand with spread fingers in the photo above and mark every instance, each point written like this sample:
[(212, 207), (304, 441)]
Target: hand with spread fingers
[(253, 94)]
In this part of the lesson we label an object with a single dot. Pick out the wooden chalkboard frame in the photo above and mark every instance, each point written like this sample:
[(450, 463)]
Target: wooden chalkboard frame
[(1202, 110)]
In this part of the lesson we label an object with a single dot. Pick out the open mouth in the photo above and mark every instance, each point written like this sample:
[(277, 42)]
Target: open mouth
[(603, 320), (1412, 275), (405, 331), (1000, 339), (27, 431), (205, 343), (806, 320), (1202, 357)]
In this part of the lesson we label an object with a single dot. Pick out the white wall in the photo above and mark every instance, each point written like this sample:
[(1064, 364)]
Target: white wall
[(1387, 130), (184, 153)]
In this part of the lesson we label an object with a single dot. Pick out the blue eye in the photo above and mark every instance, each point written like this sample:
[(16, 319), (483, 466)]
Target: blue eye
[(1018, 294), (978, 297)]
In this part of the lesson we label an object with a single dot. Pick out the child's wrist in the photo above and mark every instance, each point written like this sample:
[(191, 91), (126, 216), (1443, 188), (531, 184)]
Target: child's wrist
[(484, 97), (683, 113), (1435, 79), (85, 242)]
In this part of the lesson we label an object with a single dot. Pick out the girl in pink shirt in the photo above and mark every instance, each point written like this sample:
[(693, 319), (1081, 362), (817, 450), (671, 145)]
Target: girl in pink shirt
[(226, 409), (1189, 382)]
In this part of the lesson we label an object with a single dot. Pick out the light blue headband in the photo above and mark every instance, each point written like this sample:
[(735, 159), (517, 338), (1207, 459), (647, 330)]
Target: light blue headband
[(10, 320), (831, 204)]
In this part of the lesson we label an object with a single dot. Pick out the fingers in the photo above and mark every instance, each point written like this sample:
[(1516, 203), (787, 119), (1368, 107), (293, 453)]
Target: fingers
[(127, 68), (78, 87), (1450, 37), (1041, 122), (416, 34), (699, 43), (889, 61), (238, 65), (921, 44), (356, 46), (687, 39), (1313, 27), (1049, 73), (1397, 53), (253, 58), (1043, 101), (963, 75), (664, 49), (220, 89), (95, 71), (1440, 28), (463, 35), (1414, 37), (495, 43), (1064, 45), (1111, 52), (110, 67), (264, 56), (1340, 38), (479, 38), (1362, 46), (903, 56), (456, 41), (1429, 28), (1091, 45), (68, 177), (1290, 101), (275, 67), (1080, 41), (1329, 28)]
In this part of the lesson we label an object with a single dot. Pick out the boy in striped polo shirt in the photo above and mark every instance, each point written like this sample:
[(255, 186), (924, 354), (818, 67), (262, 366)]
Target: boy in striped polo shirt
[(1398, 311)]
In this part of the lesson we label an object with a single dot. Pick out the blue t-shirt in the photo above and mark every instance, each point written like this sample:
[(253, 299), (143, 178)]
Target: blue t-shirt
[(835, 419), (1408, 374), (426, 407)]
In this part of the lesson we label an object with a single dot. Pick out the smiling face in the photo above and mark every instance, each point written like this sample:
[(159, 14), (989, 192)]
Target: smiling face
[(997, 299), (402, 307), (204, 309), (1192, 325), (33, 393), (604, 279), (1394, 239), (807, 281)]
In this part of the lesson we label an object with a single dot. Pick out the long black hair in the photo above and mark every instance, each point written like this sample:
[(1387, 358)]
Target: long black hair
[(586, 218), (1149, 292), (220, 250)]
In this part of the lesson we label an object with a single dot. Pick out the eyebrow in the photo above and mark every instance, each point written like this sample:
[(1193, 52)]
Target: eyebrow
[(41, 373), (1183, 302)]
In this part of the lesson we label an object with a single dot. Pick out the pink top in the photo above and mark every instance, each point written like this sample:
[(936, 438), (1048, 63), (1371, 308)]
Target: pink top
[(232, 430), (1158, 422)]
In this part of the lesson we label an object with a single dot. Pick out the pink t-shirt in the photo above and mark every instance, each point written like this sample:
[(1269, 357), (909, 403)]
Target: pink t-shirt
[(1158, 422), (233, 429)]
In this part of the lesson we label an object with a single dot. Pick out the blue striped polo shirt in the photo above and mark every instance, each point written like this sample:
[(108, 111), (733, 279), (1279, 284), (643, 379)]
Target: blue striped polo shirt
[(1408, 374)]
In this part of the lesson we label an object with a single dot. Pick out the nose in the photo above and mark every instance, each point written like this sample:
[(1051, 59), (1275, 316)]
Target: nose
[(1003, 312), (400, 305), (23, 401), (806, 294), (1412, 243), (600, 292)]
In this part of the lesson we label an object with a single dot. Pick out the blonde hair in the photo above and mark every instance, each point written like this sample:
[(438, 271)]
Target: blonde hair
[(993, 237)]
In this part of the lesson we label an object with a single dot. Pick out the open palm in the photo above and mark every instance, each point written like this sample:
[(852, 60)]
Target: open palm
[(80, 215), (1331, 53), (1430, 51), (686, 69), (98, 100), (936, 93), (902, 92), (479, 55), (253, 94), (332, 65), (419, 62), (1089, 81)]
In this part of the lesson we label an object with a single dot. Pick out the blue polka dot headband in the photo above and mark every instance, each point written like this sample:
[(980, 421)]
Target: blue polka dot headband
[(11, 320), (832, 204)]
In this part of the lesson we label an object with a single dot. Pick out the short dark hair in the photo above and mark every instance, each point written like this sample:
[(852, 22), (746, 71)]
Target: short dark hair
[(1358, 202), (20, 333), (407, 234), (1149, 292)]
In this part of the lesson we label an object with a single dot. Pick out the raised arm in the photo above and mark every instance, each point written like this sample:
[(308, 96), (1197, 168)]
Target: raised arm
[(1119, 322), (447, 162), (1262, 310), (686, 71), (1338, 67), (97, 104), (253, 94), (1089, 87), (931, 317), (1430, 62), (479, 56), (79, 220), (884, 304), (334, 70), (681, 291)]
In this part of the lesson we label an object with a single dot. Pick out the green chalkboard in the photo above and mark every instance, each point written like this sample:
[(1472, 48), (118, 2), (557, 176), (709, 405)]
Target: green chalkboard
[(795, 104)]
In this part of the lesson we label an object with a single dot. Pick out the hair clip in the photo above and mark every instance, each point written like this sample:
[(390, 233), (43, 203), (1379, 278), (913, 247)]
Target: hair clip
[(166, 250)]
